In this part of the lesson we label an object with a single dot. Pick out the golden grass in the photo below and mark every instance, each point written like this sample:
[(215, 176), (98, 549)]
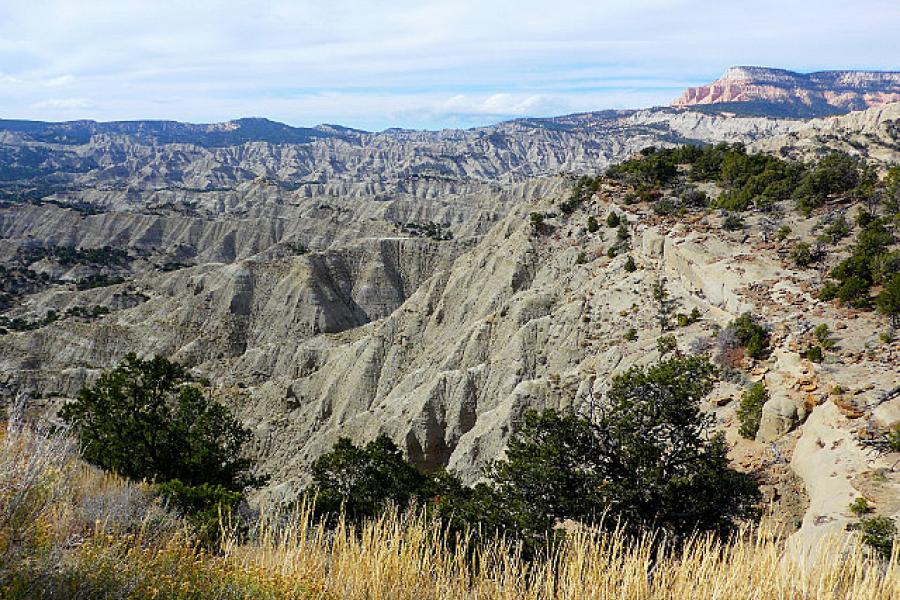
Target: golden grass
[(408, 557), (100, 536)]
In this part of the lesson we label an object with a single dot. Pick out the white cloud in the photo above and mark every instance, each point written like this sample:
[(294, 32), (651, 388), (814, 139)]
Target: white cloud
[(9, 79), (65, 104), (60, 81), (502, 104), (407, 62)]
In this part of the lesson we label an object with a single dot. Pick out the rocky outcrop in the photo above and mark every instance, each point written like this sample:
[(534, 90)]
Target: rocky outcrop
[(872, 134), (825, 92)]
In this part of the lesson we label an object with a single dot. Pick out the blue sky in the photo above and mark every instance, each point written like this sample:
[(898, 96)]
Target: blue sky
[(399, 63)]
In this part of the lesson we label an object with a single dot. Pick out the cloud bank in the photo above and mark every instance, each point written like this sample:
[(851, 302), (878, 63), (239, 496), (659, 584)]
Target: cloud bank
[(406, 63)]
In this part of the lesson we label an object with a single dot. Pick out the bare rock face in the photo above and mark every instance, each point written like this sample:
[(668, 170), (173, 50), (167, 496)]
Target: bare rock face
[(823, 92), (872, 134), (256, 311)]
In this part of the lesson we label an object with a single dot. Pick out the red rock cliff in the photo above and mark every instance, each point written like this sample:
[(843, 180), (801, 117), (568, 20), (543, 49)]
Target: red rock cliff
[(847, 90)]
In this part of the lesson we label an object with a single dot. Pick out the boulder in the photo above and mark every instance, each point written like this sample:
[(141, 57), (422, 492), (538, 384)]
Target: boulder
[(779, 415)]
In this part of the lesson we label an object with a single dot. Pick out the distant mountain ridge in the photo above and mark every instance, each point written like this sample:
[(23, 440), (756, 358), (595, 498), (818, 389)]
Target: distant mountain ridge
[(85, 157), (38, 159), (211, 135), (779, 92), (258, 129)]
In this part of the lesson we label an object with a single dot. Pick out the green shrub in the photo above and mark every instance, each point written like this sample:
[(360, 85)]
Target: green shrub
[(802, 254), (823, 336), (97, 281), (362, 480), (732, 222), (783, 232), (869, 263), (664, 207), (684, 320), (636, 463), (864, 217), (835, 174), (592, 225), (893, 438), (891, 183), (630, 335), (630, 267), (753, 179), (837, 230), (735, 200), (612, 220), (569, 206), (751, 335), (658, 168), (692, 198), (658, 291), (648, 193), (749, 180), (749, 412), (536, 220), (581, 258), (886, 265), (585, 187), (888, 300), (69, 256), (879, 533), (814, 354), (146, 420), (622, 232), (854, 291), (205, 506), (828, 291), (611, 252), (860, 506), (436, 231), (666, 344)]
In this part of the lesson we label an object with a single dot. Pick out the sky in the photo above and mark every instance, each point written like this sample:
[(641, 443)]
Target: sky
[(417, 64)]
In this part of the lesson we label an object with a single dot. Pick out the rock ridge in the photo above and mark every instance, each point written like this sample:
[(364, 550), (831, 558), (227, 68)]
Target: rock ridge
[(823, 92)]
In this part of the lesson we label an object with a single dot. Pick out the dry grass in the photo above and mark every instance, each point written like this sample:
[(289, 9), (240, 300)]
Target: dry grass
[(409, 557), (69, 531)]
